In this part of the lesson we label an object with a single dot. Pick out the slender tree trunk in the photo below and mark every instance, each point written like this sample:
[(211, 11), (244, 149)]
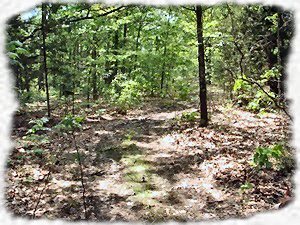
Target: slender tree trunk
[(138, 36), (201, 62), (73, 99), (107, 64), (163, 73), (279, 54), (137, 44), (27, 78), (18, 78), (73, 57), (41, 77), (114, 73), (44, 27), (125, 28), (88, 91), (116, 46), (94, 76)]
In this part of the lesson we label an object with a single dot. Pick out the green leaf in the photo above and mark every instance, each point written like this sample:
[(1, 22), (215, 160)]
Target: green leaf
[(12, 55)]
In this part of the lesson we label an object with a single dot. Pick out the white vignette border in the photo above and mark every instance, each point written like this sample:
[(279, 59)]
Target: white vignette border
[(8, 105)]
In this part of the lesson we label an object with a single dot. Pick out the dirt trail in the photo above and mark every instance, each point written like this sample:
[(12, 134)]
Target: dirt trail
[(148, 166)]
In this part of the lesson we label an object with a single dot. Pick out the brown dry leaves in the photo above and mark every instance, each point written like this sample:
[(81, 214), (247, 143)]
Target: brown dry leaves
[(142, 167)]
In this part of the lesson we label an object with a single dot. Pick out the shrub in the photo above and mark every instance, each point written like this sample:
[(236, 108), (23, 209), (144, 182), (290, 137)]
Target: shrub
[(70, 123), (251, 96), (130, 94), (189, 116), (265, 156), (38, 125)]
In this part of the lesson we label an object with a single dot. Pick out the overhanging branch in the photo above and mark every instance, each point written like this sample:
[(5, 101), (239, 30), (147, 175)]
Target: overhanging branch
[(271, 97), (93, 17), (187, 8), (74, 20)]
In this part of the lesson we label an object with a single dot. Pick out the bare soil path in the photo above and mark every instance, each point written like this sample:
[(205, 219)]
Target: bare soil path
[(149, 165)]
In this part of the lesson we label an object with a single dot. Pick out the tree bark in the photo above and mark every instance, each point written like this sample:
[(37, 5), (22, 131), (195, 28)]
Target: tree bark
[(137, 43), (116, 46), (41, 77), (114, 73), (125, 29), (44, 27), (201, 62), (27, 79), (279, 47), (94, 76), (163, 73)]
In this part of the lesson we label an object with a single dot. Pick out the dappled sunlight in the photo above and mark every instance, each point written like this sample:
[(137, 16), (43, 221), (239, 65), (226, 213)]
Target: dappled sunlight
[(147, 166), (149, 114), (64, 183), (110, 186), (168, 115), (167, 141)]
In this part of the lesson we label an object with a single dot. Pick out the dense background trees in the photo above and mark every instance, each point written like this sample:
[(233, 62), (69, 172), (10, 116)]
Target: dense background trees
[(126, 53)]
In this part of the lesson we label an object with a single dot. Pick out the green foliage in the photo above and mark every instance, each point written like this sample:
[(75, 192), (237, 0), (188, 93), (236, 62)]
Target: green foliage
[(31, 97), (241, 85), (190, 116), (144, 60), (272, 73), (38, 151), (264, 157), (246, 186), (70, 123), (130, 95), (260, 102), (15, 51), (243, 91), (100, 111), (36, 139), (254, 98), (130, 134), (183, 87), (38, 125), (9, 163)]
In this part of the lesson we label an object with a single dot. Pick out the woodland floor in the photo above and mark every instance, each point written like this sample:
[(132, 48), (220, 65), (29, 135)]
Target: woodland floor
[(147, 166)]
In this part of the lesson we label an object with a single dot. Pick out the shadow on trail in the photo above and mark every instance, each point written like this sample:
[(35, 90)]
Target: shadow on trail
[(140, 126)]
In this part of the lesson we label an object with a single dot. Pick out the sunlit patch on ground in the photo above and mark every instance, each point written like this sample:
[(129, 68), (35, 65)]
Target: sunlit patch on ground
[(151, 166)]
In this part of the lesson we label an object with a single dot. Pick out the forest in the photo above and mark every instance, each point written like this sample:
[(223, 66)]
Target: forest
[(147, 113)]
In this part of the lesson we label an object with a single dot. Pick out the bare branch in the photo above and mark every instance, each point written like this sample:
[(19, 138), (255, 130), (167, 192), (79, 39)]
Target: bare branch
[(93, 17), (251, 81), (190, 9), (271, 97)]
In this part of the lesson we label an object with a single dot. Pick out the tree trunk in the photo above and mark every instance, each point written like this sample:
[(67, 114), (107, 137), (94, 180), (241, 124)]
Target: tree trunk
[(114, 73), (201, 62), (107, 65), (116, 46), (88, 91), (163, 73), (44, 28), (27, 78), (94, 76), (18, 78), (41, 77), (279, 61), (137, 43), (125, 28)]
